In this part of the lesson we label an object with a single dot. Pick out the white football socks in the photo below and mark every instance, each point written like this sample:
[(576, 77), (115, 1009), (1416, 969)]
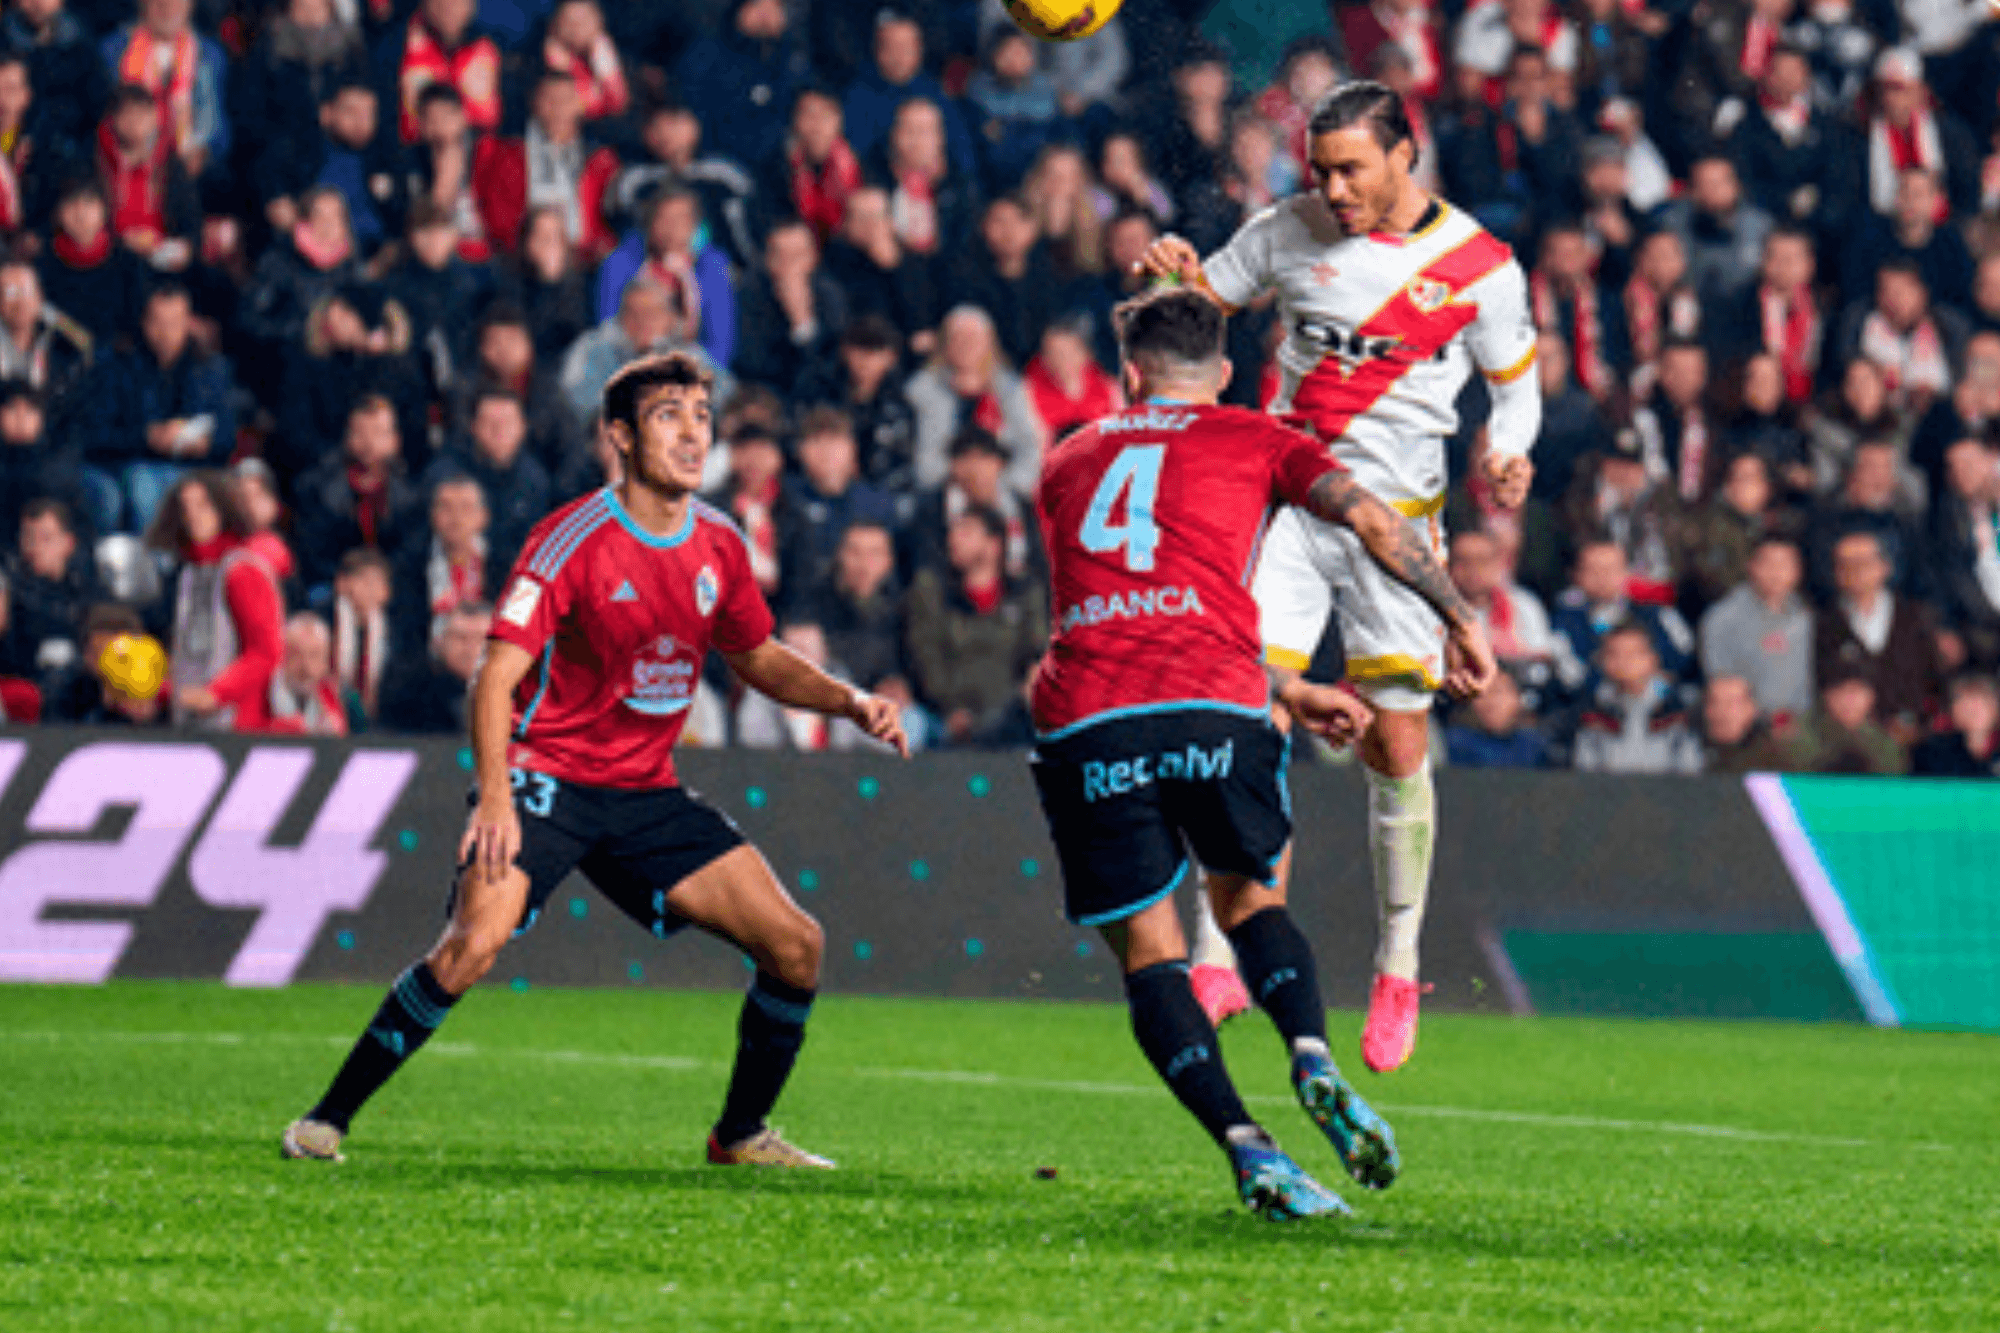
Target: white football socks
[(1211, 946), (1402, 820)]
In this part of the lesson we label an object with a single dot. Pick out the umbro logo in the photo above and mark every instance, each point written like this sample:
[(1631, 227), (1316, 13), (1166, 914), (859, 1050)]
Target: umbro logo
[(625, 593), (1324, 274)]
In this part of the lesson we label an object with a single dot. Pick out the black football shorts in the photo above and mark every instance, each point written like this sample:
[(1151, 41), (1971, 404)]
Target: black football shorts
[(1134, 799), (633, 844)]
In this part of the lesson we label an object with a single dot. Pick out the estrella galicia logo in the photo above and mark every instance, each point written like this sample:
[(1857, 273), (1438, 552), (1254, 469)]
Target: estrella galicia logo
[(663, 681), (706, 590)]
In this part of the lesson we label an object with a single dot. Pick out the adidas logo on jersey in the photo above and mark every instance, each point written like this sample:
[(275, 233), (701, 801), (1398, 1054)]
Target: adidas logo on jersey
[(625, 593)]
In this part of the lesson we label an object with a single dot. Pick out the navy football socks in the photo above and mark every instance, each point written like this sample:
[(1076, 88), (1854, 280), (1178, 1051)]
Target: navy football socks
[(1277, 966), (1180, 1041), (768, 1037), (410, 1012)]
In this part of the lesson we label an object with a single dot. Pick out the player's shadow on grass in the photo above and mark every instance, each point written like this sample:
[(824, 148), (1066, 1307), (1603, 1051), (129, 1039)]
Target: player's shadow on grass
[(694, 1179)]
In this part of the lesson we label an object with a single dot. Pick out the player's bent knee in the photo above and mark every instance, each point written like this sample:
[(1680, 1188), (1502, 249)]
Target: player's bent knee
[(796, 951)]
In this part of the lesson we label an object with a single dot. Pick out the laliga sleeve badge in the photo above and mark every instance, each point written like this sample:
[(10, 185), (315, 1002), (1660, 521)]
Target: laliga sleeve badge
[(706, 590), (521, 602)]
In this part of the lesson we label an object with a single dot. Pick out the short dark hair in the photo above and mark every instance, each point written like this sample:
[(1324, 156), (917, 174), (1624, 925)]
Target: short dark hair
[(872, 333), (130, 95), (1629, 625), (1174, 327), (825, 419), (1364, 102), (49, 507), (438, 91), (169, 289), (112, 618), (360, 558), (987, 517), (625, 389)]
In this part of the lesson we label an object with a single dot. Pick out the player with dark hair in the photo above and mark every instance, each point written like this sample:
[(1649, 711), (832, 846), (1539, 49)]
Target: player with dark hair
[(593, 662), (1155, 743), (1388, 298)]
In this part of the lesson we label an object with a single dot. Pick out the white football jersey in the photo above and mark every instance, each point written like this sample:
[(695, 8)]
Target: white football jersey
[(1381, 331)]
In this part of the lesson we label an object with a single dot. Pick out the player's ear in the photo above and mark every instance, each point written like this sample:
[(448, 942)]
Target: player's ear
[(1225, 370), (620, 436), (1404, 155), (1129, 373)]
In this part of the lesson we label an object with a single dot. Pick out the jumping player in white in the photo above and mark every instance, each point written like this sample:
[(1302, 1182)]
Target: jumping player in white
[(1388, 297)]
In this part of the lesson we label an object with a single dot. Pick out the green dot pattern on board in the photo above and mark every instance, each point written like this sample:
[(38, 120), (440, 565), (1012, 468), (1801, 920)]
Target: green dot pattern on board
[(1030, 867), (869, 788), (578, 908), (756, 798), (864, 950), (407, 840), (465, 757), (973, 948), (1083, 948), (518, 984), (920, 870), (634, 972), (978, 784), (345, 939), (809, 880)]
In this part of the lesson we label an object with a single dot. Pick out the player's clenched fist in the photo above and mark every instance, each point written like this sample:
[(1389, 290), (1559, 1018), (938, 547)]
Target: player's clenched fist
[(1469, 660), (881, 719), (1327, 711), (1171, 257), (1511, 476)]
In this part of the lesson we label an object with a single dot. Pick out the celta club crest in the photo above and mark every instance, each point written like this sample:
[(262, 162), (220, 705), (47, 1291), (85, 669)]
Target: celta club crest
[(1428, 294), (706, 590), (666, 645)]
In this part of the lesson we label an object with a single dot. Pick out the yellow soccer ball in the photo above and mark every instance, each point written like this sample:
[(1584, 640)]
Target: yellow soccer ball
[(1064, 20)]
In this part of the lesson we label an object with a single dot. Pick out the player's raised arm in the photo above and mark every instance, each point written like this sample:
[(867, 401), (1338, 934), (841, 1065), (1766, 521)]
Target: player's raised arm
[(1502, 343), (775, 670), (493, 831), (1401, 550)]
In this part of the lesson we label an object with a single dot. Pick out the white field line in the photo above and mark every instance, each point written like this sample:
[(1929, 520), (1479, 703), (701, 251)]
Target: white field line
[(974, 1078)]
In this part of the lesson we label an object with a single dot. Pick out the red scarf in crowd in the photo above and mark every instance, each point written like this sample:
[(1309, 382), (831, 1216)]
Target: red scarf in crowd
[(1789, 118), (1642, 321), (1413, 34), (321, 257), (1760, 38), (1585, 334), (82, 255), (137, 187), (913, 209), (675, 277), (473, 69), (599, 76), (1892, 150), (819, 193), (169, 80), (985, 597), (1693, 464), (983, 412), (371, 503), (1792, 334), (760, 531), (13, 156)]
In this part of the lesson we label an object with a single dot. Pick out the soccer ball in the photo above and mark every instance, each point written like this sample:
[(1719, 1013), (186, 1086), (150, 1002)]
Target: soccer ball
[(1064, 20)]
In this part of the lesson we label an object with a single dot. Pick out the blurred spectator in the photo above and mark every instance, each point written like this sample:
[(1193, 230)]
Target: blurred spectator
[(302, 268), (1595, 604), (87, 272), (861, 611), (32, 466), (1013, 106), (1680, 439), (754, 495), (1409, 26), (356, 344), (40, 346), (974, 634), (20, 700), (227, 609), (546, 284), (932, 203), (1526, 537), (1616, 501), (155, 412), (1912, 343), (1907, 129), (439, 291), (579, 47), (64, 68), (1858, 409), (1914, 231), (671, 252), (1126, 181), (1718, 538), (816, 171), (1735, 739), (29, 168), (1866, 502), (646, 322), (1058, 190), (1841, 44), (977, 479), (1762, 633), (552, 165), (1763, 423), (452, 564), (1572, 425), (155, 211), (1307, 72), (1565, 301), (1126, 236), (290, 83), (880, 277), (1637, 720), (1842, 735), (1069, 389), (358, 496), (51, 583), (1661, 306), (1780, 317), (305, 692), (823, 500), (744, 80), (1972, 409), (441, 45), (1612, 224), (361, 647), (1798, 160), (494, 455), (864, 382), (1986, 293), (969, 384), (1087, 74), (426, 693), (184, 76), (792, 312), (1489, 35), (671, 140), (255, 491), (1186, 135), (131, 676), (343, 151), (1723, 232), (878, 98), (76, 693), (1971, 749), (1495, 730), (1968, 547), (1887, 639), (438, 167), (1008, 275), (505, 358), (1515, 621)]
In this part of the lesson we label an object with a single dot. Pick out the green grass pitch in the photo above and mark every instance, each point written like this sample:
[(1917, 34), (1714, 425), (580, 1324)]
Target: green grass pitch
[(539, 1167)]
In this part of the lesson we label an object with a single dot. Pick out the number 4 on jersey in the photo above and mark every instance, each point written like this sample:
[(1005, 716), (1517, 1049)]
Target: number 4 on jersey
[(1135, 474)]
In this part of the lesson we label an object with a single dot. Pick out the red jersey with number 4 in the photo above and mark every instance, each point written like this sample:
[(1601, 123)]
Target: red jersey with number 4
[(1152, 520), (619, 622)]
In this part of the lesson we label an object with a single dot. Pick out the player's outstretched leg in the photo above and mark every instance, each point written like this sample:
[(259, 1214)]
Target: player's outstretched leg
[(1277, 963), (737, 896), (1402, 828), (1213, 975), (483, 918), (1181, 1044)]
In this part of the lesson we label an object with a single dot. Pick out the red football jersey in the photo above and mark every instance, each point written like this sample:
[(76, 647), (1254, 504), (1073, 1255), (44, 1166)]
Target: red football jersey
[(621, 622), (1152, 520)]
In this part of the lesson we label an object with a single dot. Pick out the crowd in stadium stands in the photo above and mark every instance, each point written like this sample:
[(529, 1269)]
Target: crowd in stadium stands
[(305, 307)]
